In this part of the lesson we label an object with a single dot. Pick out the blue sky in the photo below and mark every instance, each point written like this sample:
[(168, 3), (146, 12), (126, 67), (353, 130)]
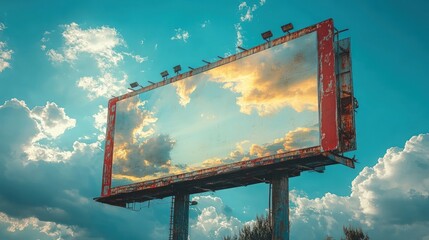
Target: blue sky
[(61, 61)]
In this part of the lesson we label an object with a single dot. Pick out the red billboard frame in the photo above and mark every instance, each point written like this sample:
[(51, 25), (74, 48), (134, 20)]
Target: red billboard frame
[(328, 114)]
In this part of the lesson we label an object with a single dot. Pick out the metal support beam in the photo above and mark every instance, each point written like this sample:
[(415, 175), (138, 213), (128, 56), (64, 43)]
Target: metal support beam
[(181, 217), (280, 214)]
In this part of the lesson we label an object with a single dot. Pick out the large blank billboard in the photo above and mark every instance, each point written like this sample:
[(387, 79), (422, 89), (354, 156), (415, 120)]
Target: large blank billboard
[(271, 100)]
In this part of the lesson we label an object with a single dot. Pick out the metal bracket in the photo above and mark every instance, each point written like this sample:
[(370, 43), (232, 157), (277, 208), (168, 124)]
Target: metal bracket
[(349, 162)]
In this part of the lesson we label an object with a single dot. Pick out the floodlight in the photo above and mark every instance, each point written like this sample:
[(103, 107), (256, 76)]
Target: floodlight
[(191, 68), (205, 61), (267, 35), (241, 48), (151, 82), (177, 69), (134, 84), (193, 203), (164, 74), (220, 57), (287, 27)]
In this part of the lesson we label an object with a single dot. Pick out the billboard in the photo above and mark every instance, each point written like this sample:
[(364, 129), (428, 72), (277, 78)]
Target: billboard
[(240, 116)]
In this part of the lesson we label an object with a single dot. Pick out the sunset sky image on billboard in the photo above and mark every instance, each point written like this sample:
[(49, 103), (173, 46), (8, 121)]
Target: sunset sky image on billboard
[(257, 106)]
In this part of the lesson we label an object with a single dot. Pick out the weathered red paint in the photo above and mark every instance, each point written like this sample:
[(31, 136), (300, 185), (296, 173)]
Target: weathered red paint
[(108, 148), (204, 173), (327, 86)]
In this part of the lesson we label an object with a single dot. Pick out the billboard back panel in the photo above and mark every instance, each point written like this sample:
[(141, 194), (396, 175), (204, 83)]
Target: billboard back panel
[(252, 107)]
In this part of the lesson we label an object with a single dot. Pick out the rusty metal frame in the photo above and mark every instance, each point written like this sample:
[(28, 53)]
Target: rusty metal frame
[(260, 167)]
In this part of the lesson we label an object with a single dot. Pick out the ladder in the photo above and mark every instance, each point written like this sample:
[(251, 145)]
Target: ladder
[(170, 237)]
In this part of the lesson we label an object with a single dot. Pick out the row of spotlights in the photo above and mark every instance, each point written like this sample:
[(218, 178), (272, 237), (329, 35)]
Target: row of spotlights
[(265, 35), (268, 34)]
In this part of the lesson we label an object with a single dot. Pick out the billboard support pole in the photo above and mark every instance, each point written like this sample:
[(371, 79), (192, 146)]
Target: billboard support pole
[(280, 205), (181, 217)]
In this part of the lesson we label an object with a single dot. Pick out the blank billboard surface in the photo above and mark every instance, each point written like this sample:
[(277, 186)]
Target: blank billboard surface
[(259, 105)]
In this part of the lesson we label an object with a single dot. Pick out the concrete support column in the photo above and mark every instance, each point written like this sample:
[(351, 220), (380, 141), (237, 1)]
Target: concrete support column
[(280, 205)]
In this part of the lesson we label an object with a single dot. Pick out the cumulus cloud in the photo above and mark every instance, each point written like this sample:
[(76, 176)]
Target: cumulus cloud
[(101, 44), (106, 85), (267, 82), (40, 152), (181, 34), (52, 119), (271, 80), (389, 200), (2, 26), (34, 228), (53, 200), (42, 123), (139, 153), (212, 219)]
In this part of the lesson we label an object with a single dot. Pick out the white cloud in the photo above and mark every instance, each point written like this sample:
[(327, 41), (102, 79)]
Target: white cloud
[(41, 229), (242, 5), (39, 152), (248, 16), (5, 56), (137, 58), (100, 119), (52, 119), (2, 26), (212, 221), (102, 86), (388, 200), (181, 35), (53, 55), (48, 122), (246, 10), (238, 30), (100, 43)]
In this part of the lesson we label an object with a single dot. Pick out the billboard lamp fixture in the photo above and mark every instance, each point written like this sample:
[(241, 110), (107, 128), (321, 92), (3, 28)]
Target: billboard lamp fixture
[(191, 68), (151, 82), (164, 74), (205, 61), (267, 35), (177, 69), (287, 27), (134, 84), (220, 57), (241, 48), (193, 203)]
